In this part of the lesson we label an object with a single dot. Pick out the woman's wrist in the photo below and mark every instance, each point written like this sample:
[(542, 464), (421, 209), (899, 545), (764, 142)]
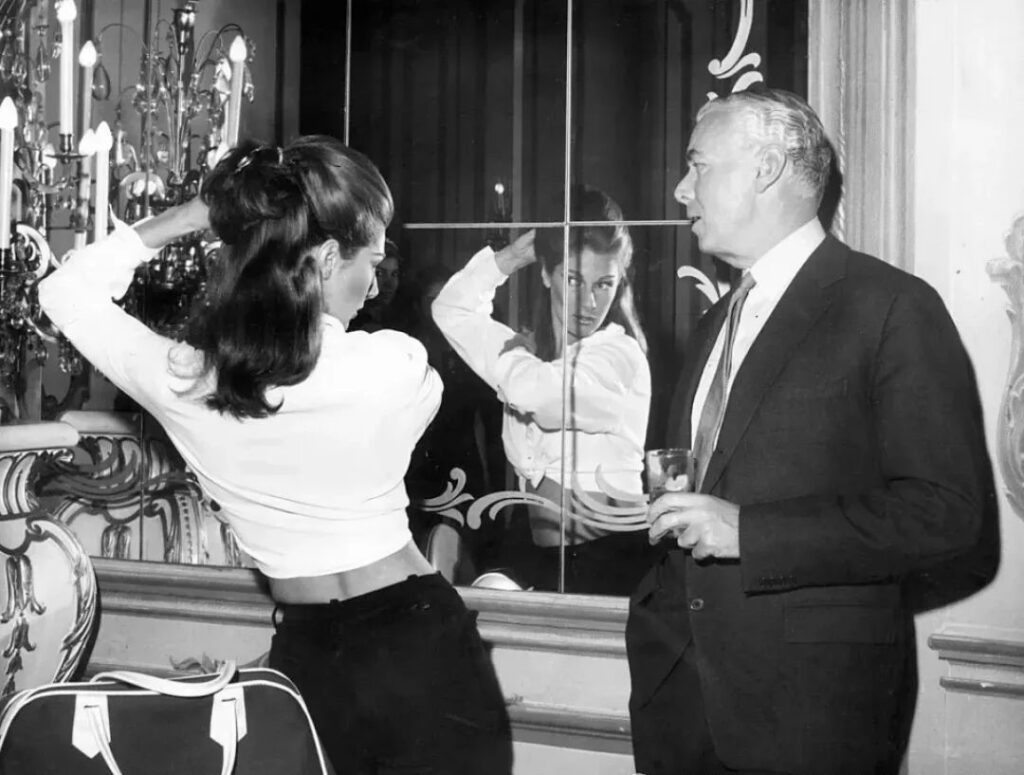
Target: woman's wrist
[(509, 260), (194, 216), (173, 223), (516, 254)]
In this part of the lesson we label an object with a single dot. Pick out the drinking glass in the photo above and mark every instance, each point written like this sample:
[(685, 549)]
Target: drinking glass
[(668, 470)]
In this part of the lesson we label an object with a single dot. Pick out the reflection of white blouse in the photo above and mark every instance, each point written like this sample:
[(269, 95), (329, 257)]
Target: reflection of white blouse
[(314, 489), (610, 389)]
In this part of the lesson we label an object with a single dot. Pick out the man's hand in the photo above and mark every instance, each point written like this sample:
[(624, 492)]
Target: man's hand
[(703, 523), (518, 254)]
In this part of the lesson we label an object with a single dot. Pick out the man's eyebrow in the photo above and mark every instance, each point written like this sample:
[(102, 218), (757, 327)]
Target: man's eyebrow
[(692, 154)]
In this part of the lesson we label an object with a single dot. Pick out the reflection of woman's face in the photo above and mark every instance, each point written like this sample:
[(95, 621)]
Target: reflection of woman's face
[(593, 282), (387, 279), (429, 295)]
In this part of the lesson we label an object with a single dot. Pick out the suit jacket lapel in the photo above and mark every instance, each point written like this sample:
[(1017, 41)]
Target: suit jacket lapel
[(803, 302)]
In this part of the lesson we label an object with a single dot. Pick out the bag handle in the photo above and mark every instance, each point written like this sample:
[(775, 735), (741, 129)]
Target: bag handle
[(91, 727), (172, 687)]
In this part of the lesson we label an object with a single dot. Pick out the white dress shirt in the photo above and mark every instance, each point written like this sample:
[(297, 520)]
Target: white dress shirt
[(609, 394), (317, 487), (772, 274)]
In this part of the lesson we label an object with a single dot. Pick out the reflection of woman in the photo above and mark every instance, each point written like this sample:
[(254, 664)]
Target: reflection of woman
[(609, 386), (461, 434), (385, 310), (301, 432)]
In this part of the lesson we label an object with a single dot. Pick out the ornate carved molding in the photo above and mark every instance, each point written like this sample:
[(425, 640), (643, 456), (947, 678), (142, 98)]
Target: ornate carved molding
[(735, 61), (992, 666), (1008, 272), (48, 600), (860, 65), (978, 650)]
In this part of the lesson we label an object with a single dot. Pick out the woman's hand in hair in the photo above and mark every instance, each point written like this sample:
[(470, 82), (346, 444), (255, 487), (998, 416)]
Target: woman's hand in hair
[(518, 254), (173, 223), (195, 215)]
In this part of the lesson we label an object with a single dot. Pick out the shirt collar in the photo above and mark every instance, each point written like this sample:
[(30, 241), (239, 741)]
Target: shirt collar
[(775, 270)]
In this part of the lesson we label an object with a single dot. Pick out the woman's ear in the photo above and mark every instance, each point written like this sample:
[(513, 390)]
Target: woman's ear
[(545, 277), (328, 258)]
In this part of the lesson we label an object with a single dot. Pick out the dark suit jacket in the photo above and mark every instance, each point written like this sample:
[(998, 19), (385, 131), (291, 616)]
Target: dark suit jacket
[(851, 444)]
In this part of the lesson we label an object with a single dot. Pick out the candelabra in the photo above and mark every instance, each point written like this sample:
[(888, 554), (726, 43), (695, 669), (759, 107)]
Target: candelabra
[(26, 50), (187, 98)]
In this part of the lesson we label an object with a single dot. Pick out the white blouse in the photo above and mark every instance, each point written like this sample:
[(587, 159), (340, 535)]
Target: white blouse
[(314, 489), (609, 391)]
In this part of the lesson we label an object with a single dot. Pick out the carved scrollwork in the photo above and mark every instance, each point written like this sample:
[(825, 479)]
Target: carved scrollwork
[(1008, 272), (705, 284), (583, 507), (48, 594), (736, 60), (121, 484)]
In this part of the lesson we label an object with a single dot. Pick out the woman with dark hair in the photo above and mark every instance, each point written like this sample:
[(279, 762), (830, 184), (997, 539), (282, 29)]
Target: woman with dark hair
[(609, 388), (300, 433)]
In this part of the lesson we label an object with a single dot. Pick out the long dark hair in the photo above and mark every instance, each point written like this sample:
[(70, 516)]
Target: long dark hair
[(258, 326), (588, 204)]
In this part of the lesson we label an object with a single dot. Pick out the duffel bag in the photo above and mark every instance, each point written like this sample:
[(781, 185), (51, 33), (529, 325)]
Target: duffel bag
[(250, 722)]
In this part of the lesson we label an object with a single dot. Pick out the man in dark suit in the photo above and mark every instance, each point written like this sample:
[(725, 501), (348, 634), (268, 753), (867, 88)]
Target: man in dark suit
[(844, 452)]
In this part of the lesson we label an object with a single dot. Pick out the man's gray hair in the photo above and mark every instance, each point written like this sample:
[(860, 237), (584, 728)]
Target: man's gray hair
[(774, 115)]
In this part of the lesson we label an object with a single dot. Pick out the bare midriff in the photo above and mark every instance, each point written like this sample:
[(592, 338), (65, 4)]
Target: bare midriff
[(344, 585)]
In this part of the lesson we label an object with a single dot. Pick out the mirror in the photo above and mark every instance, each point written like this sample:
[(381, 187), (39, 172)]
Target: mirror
[(465, 107)]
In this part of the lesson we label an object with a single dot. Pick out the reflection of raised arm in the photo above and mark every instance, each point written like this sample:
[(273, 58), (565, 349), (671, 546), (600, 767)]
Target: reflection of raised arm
[(517, 255), (464, 306), (608, 367)]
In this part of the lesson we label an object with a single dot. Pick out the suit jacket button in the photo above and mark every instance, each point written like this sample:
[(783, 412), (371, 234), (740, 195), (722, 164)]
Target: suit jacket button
[(697, 604)]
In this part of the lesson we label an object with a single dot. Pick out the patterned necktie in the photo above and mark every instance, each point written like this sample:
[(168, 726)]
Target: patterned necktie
[(713, 411)]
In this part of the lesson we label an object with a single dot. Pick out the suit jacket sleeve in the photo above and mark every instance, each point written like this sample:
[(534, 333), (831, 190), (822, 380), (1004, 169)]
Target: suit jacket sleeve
[(930, 451)]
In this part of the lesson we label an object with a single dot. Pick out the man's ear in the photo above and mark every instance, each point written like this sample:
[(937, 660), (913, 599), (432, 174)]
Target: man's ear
[(770, 167), (328, 258)]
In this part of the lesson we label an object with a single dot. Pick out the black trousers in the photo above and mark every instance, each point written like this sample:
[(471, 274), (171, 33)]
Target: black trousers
[(397, 681)]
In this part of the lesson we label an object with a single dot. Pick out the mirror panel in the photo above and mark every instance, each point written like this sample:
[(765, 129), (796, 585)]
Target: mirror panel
[(464, 107)]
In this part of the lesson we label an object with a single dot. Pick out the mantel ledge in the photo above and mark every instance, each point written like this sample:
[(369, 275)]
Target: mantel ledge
[(578, 624), (980, 646)]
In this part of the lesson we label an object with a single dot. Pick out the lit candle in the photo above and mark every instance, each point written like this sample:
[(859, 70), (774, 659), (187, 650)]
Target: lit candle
[(86, 149), (8, 121), (87, 59), (66, 15), (499, 189), (104, 142), (236, 54)]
